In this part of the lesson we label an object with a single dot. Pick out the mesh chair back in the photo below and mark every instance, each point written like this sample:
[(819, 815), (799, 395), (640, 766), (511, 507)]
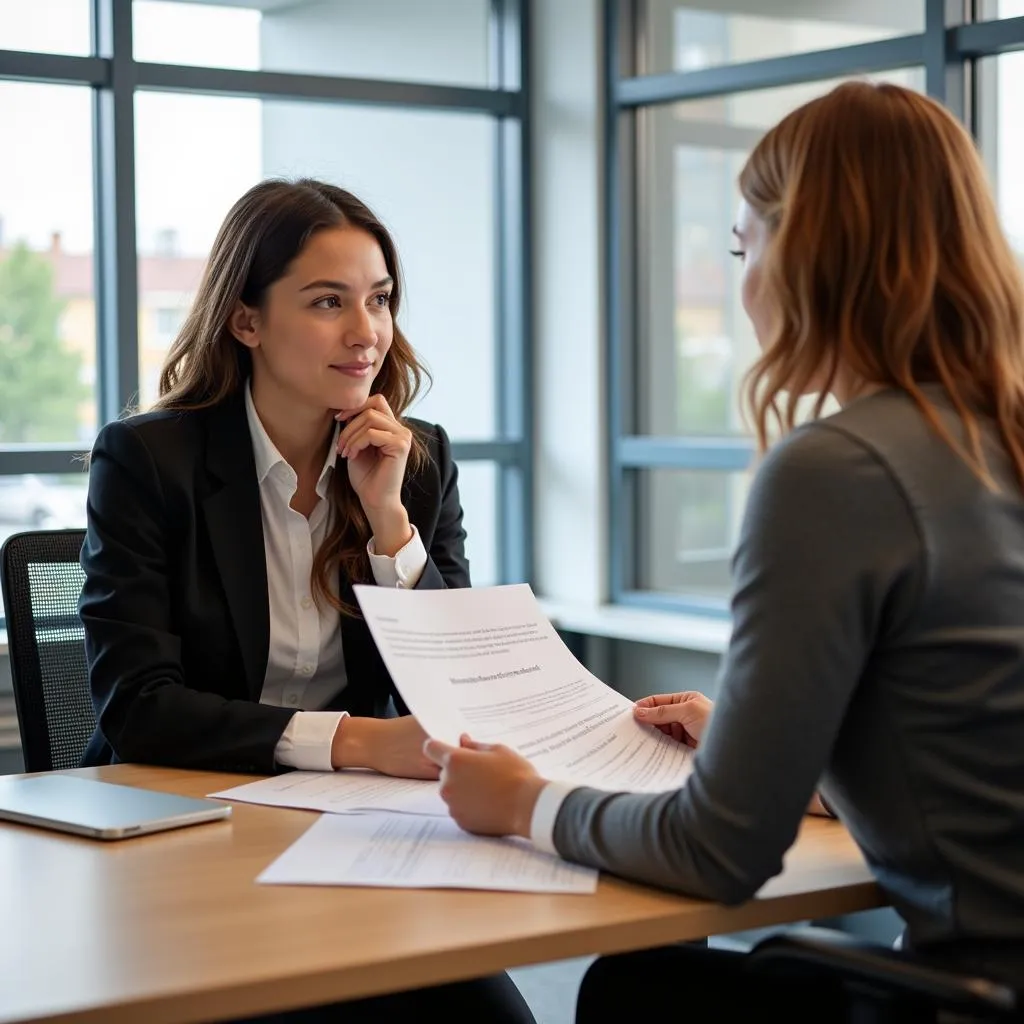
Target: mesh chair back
[(42, 582)]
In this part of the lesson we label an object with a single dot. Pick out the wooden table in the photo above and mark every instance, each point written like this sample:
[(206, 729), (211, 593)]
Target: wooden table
[(172, 927)]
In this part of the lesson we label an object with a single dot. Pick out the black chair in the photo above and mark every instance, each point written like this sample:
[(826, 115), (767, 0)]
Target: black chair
[(884, 984), (42, 581)]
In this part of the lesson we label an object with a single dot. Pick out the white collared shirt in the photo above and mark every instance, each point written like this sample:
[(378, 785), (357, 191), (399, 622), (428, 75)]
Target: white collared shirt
[(306, 663)]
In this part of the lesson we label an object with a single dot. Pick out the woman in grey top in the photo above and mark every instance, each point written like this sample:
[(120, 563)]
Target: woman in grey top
[(878, 607)]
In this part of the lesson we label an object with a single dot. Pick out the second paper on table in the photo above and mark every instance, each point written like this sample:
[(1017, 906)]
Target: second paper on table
[(489, 663)]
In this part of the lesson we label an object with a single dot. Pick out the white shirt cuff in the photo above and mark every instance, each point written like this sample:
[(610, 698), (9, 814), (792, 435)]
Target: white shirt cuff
[(545, 811), (402, 571), (307, 740)]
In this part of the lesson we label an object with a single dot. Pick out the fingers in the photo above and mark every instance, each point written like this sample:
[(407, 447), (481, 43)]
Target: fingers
[(375, 402), (468, 743), (393, 441), (368, 417), (438, 752), (658, 699), (690, 711), (656, 715)]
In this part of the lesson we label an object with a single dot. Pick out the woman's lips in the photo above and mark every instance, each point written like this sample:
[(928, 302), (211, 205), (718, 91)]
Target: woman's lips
[(357, 370)]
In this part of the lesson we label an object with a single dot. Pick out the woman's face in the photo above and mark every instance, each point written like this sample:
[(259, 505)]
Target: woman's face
[(324, 328), (751, 241)]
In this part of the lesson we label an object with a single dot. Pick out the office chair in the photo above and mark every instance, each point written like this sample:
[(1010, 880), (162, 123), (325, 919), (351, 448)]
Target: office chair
[(886, 985), (41, 581)]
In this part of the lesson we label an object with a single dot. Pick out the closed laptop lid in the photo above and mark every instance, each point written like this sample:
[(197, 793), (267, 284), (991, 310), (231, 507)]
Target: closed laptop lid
[(93, 805)]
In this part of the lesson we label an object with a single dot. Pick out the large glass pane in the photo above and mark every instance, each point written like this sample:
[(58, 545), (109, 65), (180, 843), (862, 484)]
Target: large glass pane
[(687, 37), (41, 503), (992, 9), (393, 39), (759, 109), (47, 305), (478, 489), (695, 340), (689, 523), (429, 176), (1000, 92), (46, 26)]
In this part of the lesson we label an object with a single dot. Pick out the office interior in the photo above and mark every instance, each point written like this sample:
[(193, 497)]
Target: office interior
[(560, 178)]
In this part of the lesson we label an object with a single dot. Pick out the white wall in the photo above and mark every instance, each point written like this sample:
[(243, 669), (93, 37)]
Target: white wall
[(570, 453)]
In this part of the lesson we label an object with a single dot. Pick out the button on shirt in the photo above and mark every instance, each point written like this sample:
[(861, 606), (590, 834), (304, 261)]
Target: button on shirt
[(306, 664)]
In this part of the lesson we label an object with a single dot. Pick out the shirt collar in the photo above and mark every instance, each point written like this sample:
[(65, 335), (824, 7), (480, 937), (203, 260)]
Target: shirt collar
[(266, 454)]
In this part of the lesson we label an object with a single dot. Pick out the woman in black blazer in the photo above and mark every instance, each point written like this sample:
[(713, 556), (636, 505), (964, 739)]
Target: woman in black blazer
[(227, 527)]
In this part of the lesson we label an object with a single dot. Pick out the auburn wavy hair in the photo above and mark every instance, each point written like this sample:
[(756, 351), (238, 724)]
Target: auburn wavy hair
[(262, 234), (885, 257)]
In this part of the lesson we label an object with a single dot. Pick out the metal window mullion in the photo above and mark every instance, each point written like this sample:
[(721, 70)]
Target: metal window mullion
[(988, 38), (513, 358), (945, 74), (54, 459), (503, 452), (53, 68), (619, 543), (770, 73), (116, 278), (290, 86), (503, 496)]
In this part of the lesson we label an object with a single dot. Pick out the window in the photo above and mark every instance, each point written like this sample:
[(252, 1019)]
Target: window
[(1001, 87), (46, 26), (691, 521), (700, 84), (691, 154), (442, 222), (34, 502), (388, 39), (167, 320), (123, 179), (478, 488), (688, 37), (47, 306)]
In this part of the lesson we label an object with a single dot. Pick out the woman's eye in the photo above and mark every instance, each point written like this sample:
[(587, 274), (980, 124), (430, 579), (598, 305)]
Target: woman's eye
[(382, 300), (738, 253), (328, 302)]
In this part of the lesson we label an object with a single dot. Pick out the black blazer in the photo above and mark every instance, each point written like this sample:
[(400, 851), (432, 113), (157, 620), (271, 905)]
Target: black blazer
[(175, 604)]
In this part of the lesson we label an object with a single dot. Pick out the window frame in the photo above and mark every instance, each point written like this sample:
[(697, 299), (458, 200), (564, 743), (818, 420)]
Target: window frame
[(114, 77), (948, 47)]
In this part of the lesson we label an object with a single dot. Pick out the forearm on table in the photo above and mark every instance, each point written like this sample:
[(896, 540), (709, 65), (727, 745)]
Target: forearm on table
[(171, 724), (679, 841), (356, 743)]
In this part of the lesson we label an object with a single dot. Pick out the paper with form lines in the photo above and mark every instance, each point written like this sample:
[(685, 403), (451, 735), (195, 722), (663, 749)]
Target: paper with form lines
[(343, 792), (411, 852), (486, 661)]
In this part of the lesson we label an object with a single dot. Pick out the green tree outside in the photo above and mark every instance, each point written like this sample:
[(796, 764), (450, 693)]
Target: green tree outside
[(40, 383)]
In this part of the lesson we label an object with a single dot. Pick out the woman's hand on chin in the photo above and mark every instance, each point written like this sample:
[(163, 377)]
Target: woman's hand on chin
[(376, 446)]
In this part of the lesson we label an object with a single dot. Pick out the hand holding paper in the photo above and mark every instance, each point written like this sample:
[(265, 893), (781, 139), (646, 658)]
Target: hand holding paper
[(487, 664), (489, 789)]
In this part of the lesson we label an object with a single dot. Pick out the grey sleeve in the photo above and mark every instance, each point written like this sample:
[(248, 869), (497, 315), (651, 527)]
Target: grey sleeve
[(826, 537)]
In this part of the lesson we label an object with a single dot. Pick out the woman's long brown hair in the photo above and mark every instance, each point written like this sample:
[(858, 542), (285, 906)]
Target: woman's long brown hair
[(262, 234), (886, 257)]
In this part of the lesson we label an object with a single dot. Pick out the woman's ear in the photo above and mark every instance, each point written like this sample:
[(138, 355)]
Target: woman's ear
[(244, 325)]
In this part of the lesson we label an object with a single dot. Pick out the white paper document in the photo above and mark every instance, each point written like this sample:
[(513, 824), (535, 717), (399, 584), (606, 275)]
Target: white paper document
[(342, 792), (488, 662), (412, 852)]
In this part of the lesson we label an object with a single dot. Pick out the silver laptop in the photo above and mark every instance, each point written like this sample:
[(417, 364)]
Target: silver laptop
[(100, 809)]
